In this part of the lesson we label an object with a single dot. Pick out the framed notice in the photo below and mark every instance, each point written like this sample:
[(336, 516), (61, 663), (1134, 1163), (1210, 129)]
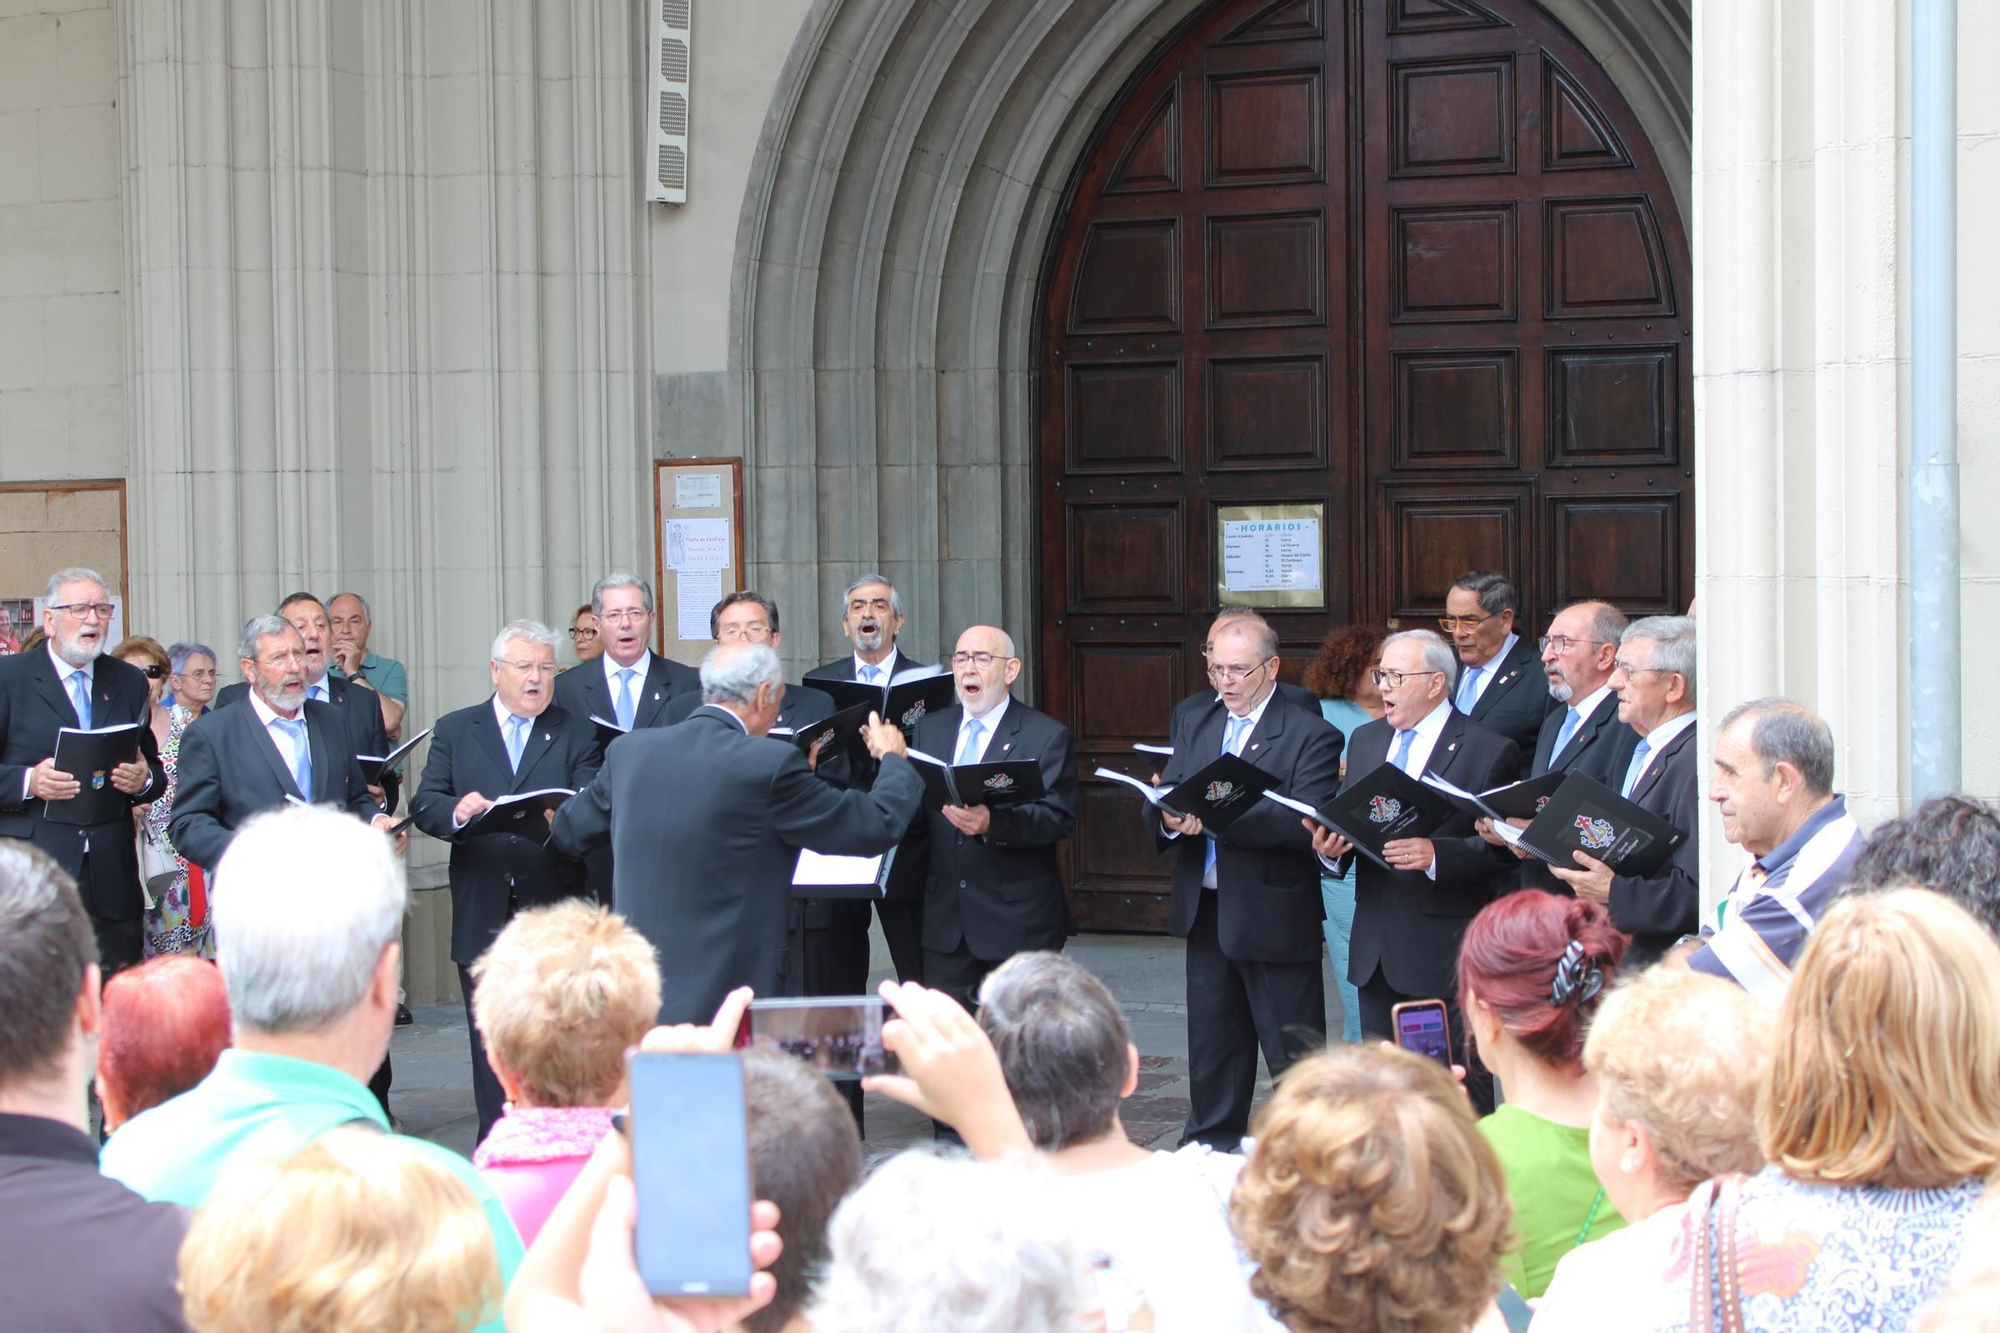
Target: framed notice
[(697, 548), (46, 526), (1271, 555)]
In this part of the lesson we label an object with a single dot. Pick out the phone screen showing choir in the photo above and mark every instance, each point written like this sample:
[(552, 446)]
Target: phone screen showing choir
[(840, 1038)]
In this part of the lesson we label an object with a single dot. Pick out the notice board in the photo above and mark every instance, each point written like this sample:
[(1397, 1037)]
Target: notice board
[(697, 548)]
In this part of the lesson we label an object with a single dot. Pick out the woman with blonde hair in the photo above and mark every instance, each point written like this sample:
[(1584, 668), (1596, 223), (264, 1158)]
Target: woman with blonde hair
[(1371, 1202), (1881, 1124), (1678, 1057), (356, 1230)]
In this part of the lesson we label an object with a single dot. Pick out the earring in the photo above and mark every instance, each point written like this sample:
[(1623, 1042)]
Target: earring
[(1628, 1163)]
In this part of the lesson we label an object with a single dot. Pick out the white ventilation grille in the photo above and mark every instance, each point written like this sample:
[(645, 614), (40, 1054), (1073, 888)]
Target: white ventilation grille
[(672, 49)]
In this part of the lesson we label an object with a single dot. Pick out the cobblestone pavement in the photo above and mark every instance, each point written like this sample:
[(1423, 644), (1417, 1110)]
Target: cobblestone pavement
[(432, 1097)]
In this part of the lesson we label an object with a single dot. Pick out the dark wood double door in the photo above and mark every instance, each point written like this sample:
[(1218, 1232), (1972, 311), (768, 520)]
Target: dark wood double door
[(1411, 261)]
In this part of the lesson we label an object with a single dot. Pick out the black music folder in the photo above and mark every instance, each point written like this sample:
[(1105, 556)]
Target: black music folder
[(906, 699), (607, 731), (374, 766), (821, 875), (1217, 795), (1586, 816), (840, 731), (89, 756), (524, 814), (1510, 800), (1007, 783), (1385, 804)]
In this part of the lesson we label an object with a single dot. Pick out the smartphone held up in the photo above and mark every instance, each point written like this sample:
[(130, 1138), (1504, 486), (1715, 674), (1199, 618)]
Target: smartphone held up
[(1424, 1028), (839, 1035), (691, 1169)]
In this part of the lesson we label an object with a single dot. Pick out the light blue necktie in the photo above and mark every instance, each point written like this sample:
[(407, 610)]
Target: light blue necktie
[(79, 695), (517, 740), (1569, 727), (869, 671), (968, 748), (1637, 766), (302, 772), (1232, 743), (1404, 740), (318, 693), (1468, 691), (624, 702)]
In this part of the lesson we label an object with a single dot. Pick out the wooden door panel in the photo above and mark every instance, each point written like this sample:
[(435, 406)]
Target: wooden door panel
[(1413, 260)]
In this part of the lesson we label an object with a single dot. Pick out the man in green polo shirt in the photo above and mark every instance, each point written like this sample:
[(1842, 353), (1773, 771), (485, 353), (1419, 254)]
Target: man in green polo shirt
[(351, 622), (309, 947)]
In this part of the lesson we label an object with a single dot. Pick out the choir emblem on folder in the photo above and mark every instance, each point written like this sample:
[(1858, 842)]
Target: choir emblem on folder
[(1595, 834), (1383, 809)]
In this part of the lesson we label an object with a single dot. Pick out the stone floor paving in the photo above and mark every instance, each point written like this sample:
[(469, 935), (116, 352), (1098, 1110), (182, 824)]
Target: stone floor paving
[(432, 1097)]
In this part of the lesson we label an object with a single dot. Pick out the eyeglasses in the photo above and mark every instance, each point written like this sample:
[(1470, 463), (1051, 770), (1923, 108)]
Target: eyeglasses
[(199, 674), (531, 668), (623, 617), (980, 660), (583, 634), (756, 631), (1394, 679), (1633, 669), (1562, 643), (85, 610), (1229, 675), (1452, 624)]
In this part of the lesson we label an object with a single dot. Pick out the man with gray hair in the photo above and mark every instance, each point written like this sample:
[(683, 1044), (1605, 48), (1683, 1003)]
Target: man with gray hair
[(1653, 677), (706, 820), (73, 683), (1773, 782), (309, 923), (513, 742), (1499, 677)]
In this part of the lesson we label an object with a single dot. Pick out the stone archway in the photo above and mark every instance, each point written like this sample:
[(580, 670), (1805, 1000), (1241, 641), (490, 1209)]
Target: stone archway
[(883, 303)]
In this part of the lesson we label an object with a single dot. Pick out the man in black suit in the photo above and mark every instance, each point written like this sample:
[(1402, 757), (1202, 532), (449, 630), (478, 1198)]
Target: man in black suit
[(1246, 898), (1202, 700), (1584, 735), (360, 707), (995, 887), (1499, 681), (1408, 921), (1654, 681), (511, 742), (751, 617), (627, 683), (707, 819), (69, 682), (871, 618)]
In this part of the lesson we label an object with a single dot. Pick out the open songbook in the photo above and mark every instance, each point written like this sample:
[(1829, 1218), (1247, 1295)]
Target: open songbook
[(1217, 795), (1586, 816), (524, 814), (1382, 806), (905, 700), (89, 756), (1512, 800), (374, 766), (607, 730), (822, 875), (1007, 783)]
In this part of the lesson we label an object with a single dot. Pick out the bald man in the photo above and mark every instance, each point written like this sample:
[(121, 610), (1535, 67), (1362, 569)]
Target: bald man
[(995, 889)]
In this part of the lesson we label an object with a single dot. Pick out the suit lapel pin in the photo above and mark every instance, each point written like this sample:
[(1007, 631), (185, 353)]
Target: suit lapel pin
[(1008, 746), (1452, 748), (1255, 744)]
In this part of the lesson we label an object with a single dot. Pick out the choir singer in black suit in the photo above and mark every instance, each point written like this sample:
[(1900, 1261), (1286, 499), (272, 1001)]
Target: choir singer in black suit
[(1408, 921), (1499, 682), (514, 741), (995, 887), (1246, 899), (751, 617), (706, 820), (70, 682)]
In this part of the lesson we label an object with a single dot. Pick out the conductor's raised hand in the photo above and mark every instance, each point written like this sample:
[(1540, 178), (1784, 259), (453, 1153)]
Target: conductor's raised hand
[(950, 1070), (883, 737)]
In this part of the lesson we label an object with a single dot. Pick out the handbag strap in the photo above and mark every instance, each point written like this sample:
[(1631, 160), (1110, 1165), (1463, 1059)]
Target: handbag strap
[(1729, 1264), (1716, 1200), (1701, 1311)]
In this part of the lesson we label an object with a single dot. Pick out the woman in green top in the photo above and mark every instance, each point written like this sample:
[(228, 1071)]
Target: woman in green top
[(1530, 972)]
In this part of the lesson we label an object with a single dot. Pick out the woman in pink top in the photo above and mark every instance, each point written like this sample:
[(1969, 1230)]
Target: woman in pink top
[(559, 998)]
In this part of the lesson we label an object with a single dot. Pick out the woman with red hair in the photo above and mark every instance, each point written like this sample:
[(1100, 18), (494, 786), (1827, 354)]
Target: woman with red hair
[(1530, 973), (166, 1022)]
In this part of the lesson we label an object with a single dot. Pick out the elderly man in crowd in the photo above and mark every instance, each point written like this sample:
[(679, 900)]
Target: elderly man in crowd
[(352, 622), (72, 682), (513, 741), (706, 820), (308, 946), (1498, 684), (62, 1218), (1773, 782)]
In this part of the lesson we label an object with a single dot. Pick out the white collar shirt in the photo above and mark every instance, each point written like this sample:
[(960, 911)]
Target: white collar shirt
[(639, 668), (886, 668), (1658, 739), (1489, 670), (987, 726), (286, 746)]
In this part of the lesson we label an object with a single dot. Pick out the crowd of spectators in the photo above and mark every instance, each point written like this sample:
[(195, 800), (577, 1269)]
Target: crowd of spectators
[(1671, 1152)]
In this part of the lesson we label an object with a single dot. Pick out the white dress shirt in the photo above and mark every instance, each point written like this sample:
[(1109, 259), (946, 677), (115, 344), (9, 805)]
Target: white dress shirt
[(1657, 740), (1428, 730), (318, 690), (1587, 705), (1488, 671), (1255, 717), (886, 667), (267, 715), (63, 672), (638, 670), (986, 728)]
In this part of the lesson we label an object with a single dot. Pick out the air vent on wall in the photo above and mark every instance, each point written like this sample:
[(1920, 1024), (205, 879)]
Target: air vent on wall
[(672, 47)]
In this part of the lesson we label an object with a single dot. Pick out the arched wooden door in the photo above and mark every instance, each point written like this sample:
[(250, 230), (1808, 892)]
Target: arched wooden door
[(1412, 261)]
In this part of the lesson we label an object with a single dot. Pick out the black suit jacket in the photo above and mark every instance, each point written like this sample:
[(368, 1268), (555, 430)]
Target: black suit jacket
[(911, 872), (1601, 747), (585, 692), (1406, 923), (1203, 700), (1515, 700), (1657, 911), (1268, 905), (361, 711), (705, 822), (803, 705), (492, 875), (34, 706), (1002, 892), (229, 770)]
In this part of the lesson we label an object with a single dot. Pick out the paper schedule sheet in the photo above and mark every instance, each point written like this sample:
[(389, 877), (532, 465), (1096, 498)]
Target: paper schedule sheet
[(696, 591), (1271, 555)]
